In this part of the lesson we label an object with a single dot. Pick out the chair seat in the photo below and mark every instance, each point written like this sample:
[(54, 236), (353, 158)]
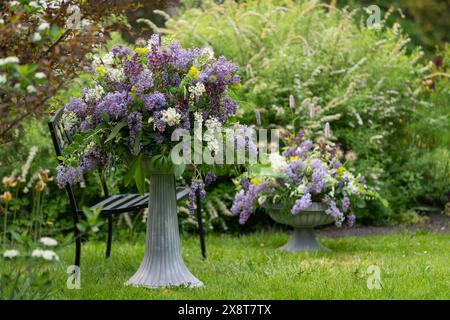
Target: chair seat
[(119, 203)]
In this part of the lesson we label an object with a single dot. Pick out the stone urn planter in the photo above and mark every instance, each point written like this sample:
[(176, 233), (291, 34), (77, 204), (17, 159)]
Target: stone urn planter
[(163, 265), (303, 238)]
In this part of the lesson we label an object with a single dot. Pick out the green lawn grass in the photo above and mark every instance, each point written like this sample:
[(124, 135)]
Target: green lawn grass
[(413, 266)]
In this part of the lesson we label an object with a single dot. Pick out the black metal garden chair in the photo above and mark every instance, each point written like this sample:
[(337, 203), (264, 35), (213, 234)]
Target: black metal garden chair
[(112, 204)]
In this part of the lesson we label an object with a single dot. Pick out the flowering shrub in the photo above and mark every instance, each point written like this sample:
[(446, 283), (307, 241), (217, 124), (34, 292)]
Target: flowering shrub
[(365, 82), (139, 99), (306, 172), (43, 44)]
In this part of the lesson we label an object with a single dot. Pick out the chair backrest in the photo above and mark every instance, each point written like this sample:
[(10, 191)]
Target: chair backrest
[(62, 137)]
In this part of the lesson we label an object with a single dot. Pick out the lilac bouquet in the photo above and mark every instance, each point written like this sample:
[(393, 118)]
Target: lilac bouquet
[(304, 173), (139, 97)]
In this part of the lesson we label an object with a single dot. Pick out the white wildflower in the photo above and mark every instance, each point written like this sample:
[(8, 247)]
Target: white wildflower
[(170, 116), (208, 51), (45, 254), (11, 254), (14, 3), (40, 75), (49, 242), (8, 60), (36, 37), (2, 21), (26, 166), (94, 94), (43, 26), (31, 89), (3, 79)]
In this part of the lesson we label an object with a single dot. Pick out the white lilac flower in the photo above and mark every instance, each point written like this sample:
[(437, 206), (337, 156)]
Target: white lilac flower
[(31, 89), (278, 162), (170, 116), (3, 78), (94, 94), (208, 51), (11, 254), (14, 3), (108, 59), (26, 166), (213, 131), (43, 26), (36, 37), (49, 242), (8, 60), (2, 21), (198, 117), (197, 91), (40, 75), (116, 75)]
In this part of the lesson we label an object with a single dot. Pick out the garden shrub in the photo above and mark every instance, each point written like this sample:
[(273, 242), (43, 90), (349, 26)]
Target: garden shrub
[(361, 80)]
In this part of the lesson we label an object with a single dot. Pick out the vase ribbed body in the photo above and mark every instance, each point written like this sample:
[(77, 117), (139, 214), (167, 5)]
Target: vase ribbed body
[(303, 238), (163, 265)]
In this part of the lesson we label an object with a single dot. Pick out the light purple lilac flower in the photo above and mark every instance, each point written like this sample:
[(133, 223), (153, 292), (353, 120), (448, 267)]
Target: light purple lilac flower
[(345, 204), (351, 220), (78, 106), (301, 204), (292, 171), (115, 104), (68, 175), (142, 81), (244, 201)]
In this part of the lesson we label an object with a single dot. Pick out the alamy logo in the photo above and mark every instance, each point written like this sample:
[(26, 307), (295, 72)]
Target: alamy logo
[(74, 279), (374, 278), (374, 19)]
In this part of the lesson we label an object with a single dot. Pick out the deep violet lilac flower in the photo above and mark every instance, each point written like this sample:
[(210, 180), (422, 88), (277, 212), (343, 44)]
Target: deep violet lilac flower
[(301, 204), (91, 160), (132, 67), (154, 101), (134, 125), (114, 104), (121, 52), (210, 178), (197, 186), (245, 183)]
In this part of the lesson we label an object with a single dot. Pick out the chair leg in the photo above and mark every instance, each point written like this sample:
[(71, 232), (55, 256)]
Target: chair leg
[(109, 241), (77, 234), (201, 231)]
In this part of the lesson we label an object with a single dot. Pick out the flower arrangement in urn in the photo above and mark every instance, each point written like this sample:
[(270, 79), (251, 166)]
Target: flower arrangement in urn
[(305, 186), (141, 100)]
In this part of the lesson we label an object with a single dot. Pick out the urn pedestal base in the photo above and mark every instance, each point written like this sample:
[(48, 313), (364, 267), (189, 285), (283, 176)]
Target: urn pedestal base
[(303, 239), (163, 265)]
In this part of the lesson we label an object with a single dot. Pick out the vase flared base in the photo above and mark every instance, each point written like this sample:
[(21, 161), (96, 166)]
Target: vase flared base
[(304, 240)]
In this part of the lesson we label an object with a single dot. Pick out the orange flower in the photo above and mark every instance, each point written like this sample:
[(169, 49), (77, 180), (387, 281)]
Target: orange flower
[(6, 197), (40, 185), (9, 182), (43, 175)]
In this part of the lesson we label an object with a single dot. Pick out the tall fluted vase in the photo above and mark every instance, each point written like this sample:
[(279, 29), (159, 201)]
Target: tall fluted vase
[(163, 265)]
